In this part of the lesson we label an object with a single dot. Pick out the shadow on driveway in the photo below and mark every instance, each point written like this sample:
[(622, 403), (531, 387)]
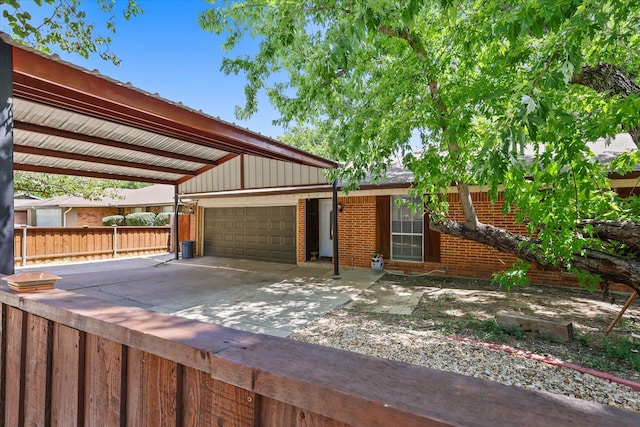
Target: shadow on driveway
[(253, 296)]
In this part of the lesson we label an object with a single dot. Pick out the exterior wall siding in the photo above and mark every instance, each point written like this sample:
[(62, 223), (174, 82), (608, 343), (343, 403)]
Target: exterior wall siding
[(300, 231), (20, 217), (465, 258), (129, 210), (458, 257), (93, 216), (259, 172), (221, 178), (357, 231)]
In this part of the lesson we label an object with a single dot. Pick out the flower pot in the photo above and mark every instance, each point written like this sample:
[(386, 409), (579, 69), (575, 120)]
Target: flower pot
[(377, 263)]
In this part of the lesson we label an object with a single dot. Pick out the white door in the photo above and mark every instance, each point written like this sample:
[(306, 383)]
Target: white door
[(326, 233)]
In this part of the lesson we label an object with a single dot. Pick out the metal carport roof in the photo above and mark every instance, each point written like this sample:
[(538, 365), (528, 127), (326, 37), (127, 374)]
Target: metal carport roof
[(68, 120), (58, 118)]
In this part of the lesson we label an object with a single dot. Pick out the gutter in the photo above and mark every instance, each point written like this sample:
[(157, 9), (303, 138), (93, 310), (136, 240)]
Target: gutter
[(260, 191)]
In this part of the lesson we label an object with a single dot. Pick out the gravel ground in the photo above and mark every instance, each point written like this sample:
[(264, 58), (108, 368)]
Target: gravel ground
[(350, 331)]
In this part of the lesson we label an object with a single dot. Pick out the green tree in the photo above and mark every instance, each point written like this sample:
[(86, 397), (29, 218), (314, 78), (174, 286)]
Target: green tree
[(460, 91), (66, 27), (308, 138), (46, 185)]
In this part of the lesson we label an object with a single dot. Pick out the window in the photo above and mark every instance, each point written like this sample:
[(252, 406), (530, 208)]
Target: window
[(50, 217), (406, 230)]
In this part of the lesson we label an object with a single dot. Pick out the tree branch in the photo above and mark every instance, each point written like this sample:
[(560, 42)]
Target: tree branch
[(468, 209), (626, 232), (613, 268), (609, 78), (606, 78), (414, 43)]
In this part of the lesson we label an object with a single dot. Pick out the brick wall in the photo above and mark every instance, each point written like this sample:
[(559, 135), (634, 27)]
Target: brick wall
[(357, 241), (93, 216), (129, 210), (357, 231), (300, 231), (467, 258)]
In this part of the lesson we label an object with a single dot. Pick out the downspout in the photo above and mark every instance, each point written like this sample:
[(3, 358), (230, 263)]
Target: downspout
[(64, 217), (336, 254)]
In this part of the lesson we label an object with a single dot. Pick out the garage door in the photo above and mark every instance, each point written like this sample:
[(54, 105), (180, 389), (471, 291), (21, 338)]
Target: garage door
[(260, 233)]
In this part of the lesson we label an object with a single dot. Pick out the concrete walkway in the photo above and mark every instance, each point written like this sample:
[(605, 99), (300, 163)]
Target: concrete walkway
[(253, 296), (386, 297)]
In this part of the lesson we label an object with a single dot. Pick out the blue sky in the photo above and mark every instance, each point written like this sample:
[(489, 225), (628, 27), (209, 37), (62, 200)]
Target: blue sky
[(165, 51)]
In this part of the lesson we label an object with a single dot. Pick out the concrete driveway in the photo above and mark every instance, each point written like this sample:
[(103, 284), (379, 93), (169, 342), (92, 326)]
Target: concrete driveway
[(253, 296)]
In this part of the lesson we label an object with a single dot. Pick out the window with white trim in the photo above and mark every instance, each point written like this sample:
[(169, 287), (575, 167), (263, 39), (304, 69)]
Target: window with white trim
[(407, 229)]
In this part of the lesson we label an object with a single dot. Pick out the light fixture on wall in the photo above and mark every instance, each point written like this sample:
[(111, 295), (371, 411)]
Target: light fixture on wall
[(340, 207)]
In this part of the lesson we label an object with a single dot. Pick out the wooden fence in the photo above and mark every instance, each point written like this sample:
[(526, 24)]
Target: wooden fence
[(70, 360), (34, 245)]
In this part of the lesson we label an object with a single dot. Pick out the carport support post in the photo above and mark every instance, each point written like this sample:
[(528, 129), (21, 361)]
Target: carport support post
[(6, 158), (336, 264), (175, 221)]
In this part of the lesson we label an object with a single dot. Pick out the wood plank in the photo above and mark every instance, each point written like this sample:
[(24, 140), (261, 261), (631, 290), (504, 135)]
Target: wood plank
[(66, 407), (151, 390), (348, 387), (275, 413), (211, 402), (197, 399), (360, 390), (14, 411), (103, 390), (178, 339), (37, 409), (134, 386), (31, 281), (560, 330), (3, 358)]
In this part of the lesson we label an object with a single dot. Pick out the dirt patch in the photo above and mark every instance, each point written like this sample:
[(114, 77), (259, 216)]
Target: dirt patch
[(468, 307)]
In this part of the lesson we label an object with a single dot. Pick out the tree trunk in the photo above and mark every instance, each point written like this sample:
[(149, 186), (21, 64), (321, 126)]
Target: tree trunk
[(468, 209), (610, 267), (626, 232)]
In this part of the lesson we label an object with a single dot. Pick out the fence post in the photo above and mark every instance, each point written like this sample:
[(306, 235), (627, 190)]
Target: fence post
[(24, 246), (115, 241), (171, 232)]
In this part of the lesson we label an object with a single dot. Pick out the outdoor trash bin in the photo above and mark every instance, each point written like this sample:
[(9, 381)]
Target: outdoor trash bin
[(187, 249)]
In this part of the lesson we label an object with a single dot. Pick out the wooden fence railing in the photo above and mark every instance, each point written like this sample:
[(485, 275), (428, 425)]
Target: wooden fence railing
[(34, 245), (70, 360)]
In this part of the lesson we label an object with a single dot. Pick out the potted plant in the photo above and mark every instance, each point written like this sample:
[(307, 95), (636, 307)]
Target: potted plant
[(377, 262)]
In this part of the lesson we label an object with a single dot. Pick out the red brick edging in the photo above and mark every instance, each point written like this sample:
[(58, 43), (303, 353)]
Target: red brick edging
[(551, 361)]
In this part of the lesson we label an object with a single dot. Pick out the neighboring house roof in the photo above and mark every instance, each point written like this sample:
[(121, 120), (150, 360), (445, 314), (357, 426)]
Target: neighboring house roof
[(22, 204), (605, 150), (154, 195)]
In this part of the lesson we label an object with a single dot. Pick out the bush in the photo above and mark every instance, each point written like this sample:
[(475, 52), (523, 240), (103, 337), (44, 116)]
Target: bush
[(162, 219), (141, 219), (113, 220)]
